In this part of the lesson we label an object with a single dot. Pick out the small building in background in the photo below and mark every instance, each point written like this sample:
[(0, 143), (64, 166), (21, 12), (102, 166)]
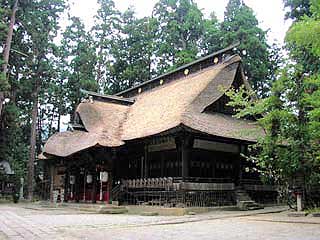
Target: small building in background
[(6, 178)]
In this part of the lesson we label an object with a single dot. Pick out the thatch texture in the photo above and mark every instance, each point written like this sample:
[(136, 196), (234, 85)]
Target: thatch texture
[(102, 121), (218, 124), (178, 102), (165, 107)]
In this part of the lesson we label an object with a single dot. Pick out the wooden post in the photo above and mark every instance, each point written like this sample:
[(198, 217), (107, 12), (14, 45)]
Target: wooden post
[(77, 185), (51, 181), (66, 184), (84, 184), (162, 165), (142, 167), (94, 186), (146, 161), (184, 144), (242, 149), (185, 159)]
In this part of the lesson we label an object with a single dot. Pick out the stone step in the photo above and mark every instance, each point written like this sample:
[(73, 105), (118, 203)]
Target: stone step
[(149, 214), (248, 205), (97, 208), (121, 210), (243, 199)]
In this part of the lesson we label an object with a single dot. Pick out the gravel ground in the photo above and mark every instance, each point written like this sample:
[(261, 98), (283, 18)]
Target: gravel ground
[(21, 222)]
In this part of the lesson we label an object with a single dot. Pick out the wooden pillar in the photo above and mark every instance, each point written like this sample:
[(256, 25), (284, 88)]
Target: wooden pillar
[(214, 165), (66, 184), (242, 150), (142, 167), (94, 186), (77, 185), (146, 162), (184, 145), (163, 162), (185, 159), (111, 177), (51, 170)]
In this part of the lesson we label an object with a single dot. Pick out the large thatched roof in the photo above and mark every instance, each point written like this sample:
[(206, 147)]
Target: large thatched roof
[(102, 122), (182, 101)]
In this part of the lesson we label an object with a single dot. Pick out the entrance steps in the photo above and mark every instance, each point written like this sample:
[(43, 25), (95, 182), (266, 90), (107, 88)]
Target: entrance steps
[(244, 201)]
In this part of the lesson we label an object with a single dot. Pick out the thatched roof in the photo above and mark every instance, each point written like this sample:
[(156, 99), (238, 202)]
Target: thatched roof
[(181, 101), (164, 107), (102, 122)]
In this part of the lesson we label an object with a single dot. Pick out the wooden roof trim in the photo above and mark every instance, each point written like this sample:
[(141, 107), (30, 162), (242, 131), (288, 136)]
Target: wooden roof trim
[(227, 49), (109, 98)]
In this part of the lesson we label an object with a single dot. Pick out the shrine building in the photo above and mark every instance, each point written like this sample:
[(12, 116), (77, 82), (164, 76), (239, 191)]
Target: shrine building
[(170, 141)]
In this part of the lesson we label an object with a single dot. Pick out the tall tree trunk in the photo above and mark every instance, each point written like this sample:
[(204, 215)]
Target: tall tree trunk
[(51, 121), (6, 49), (303, 143), (33, 138), (100, 80)]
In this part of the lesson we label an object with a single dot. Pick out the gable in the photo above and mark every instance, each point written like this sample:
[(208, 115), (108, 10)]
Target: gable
[(213, 91), (220, 105)]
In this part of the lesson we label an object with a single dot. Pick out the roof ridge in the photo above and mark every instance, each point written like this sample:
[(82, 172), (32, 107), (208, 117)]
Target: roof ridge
[(111, 98), (227, 49)]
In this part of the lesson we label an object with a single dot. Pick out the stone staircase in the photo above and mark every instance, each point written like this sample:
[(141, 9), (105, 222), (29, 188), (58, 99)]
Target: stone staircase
[(244, 202)]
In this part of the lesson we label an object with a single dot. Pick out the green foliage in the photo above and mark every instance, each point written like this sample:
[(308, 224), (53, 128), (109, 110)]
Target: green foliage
[(297, 8), (13, 147), (290, 116), (132, 49), (180, 26), (305, 33), (285, 149), (106, 22), (4, 14), (240, 24), (302, 41), (212, 35), (78, 52)]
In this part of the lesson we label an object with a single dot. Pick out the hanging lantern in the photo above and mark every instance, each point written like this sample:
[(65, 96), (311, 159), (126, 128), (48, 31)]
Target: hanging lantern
[(89, 178), (104, 176), (72, 179)]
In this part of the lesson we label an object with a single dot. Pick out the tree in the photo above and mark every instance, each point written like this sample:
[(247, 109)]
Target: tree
[(289, 153), (132, 50), (106, 22), (305, 34), (211, 40), (78, 52), (40, 25), (12, 142), (241, 25), (297, 9), (6, 53), (180, 27)]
